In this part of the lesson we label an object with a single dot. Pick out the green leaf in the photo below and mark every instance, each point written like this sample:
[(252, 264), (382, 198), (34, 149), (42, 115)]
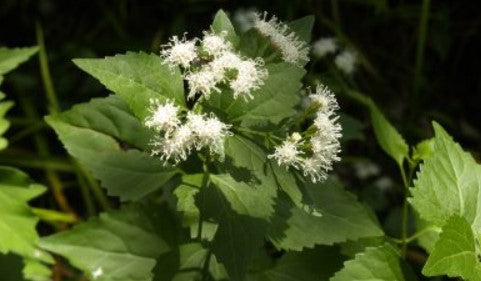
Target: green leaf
[(303, 27), (375, 263), (137, 78), (315, 264), (238, 237), (36, 271), (448, 183), (247, 162), (255, 201), (11, 58), (335, 217), (4, 123), (273, 102), (85, 132), (223, 24), (423, 150), (454, 253), (17, 222), (120, 245), (387, 136)]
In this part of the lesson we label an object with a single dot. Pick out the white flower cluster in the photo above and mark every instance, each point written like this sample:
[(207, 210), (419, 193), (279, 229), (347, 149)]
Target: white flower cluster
[(213, 62), (292, 49), (177, 138), (315, 153), (345, 60)]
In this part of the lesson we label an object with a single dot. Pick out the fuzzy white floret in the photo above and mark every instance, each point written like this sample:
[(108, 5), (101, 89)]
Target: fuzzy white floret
[(176, 146), (288, 154), (324, 99), (215, 45), (179, 52), (324, 46), (203, 82), (313, 168), (292, 49), (346, 61), (210, 132), (163, 116), (250, 76), (226, 61), (327, 126)]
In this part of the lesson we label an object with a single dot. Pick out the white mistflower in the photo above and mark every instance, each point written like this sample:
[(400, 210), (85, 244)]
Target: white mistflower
[(324, 99), (288, 154), (292, 49), (250, 76), (163, 116), (210, 132), (203, 81), (226, 61), (215, 45), (346, 61), (179, 52), (245, 18), (313, 168), (176, 146), (327, 126), (324, 46)]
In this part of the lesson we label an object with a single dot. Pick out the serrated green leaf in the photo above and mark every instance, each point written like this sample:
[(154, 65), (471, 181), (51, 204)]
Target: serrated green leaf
[(454, 253), (336, 217), (247, 162), (375, 263), (4, 123), (303, 27), (11, 58), (36, 271), (119, 245), (17, 222), (272, 103), (136, 78), (238, 237), (254, 201), (222, 24), (315, 264), (448, 183), (85, 132)]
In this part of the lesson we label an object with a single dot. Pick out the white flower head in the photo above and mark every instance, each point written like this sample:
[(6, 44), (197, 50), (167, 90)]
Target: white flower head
[(179, 52), (163, 116), (245, 18), (215, 45), (292, 49), (327, 126), (203, 81), (226, 61), (176, 146), (250, 76), (326, 150), (324, 99), (288, 154), (324, 46), (210, 132), (346, 61), (313, 168)]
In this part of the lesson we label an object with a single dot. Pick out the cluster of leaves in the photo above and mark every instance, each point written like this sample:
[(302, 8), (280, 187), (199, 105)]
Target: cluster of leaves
[(242, 219)]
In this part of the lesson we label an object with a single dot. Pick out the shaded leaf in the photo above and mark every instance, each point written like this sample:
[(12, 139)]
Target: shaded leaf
[(223, 24), (11, 58)]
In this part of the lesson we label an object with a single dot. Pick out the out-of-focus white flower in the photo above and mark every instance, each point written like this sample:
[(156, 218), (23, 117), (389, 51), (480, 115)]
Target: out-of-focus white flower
[(288, 154), (215, 45), (366, 169), (324, 46), (250, 76), (203, 81), (179, 52), (97, 273), (292, 49), (245, 18), (324, 99), (163, 116), (346, 61)]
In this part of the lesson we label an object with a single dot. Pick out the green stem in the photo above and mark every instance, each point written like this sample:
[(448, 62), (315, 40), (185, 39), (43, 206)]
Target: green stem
[(205, 268), (45, 71), (36, 162), (405, 211), (54, 216), (423, 26)]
